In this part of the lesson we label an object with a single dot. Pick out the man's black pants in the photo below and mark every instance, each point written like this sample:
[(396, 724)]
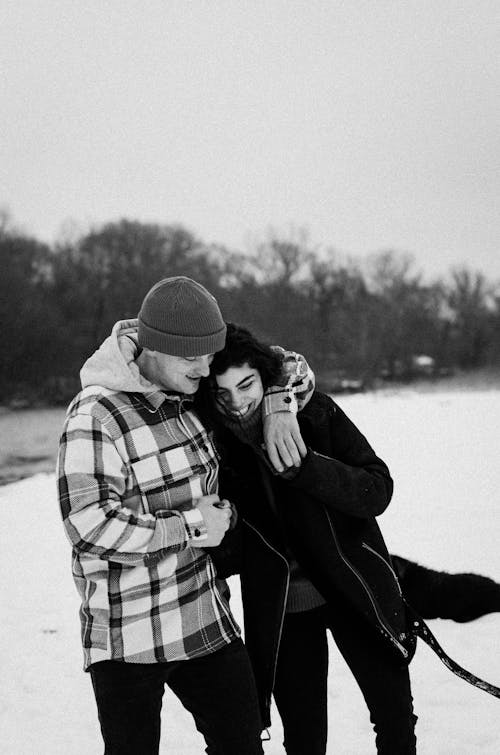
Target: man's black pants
[(217, 689), (301, 681)]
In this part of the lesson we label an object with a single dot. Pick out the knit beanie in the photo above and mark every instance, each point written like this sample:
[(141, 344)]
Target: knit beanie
[(180, 317)]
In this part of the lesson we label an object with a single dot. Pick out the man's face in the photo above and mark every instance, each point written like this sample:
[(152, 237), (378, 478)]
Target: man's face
[(179, 374)]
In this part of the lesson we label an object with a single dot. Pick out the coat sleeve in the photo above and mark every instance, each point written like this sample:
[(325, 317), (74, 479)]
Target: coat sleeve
[(344, 474), (227, 557)]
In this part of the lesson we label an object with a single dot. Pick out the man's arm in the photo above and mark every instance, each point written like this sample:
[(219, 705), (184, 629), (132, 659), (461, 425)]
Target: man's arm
[(92, 481), (294, 387), (284, 444)]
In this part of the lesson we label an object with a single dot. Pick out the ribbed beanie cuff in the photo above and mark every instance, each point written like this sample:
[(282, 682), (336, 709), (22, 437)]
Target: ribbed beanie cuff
[(180, 317)]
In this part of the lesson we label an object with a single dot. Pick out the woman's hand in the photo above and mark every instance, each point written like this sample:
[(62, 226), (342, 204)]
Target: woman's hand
[(284, 444)]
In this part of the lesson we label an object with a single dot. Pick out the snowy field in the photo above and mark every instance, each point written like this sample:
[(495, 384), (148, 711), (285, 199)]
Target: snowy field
[(443, 451)]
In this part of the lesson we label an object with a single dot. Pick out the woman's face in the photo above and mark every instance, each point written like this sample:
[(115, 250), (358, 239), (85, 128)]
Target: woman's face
[(239, 391)]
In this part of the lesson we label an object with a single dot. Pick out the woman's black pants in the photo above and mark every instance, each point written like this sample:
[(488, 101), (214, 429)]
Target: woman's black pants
[(301, 681)]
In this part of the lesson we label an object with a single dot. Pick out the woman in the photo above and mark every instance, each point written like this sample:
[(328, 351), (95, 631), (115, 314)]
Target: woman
[(311, 558)]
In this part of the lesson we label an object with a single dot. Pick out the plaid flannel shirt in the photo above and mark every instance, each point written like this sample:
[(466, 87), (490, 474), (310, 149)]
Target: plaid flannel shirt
[(130, 469)]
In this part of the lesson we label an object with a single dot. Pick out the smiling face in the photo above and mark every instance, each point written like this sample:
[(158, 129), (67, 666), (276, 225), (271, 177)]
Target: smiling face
[(239, 391), (176, 374)]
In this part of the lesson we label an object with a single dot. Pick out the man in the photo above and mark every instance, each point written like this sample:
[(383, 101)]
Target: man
[(138, 476)]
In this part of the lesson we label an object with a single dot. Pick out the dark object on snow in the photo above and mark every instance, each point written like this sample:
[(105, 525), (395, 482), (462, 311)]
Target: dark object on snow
[(434, 594), (439, 595)]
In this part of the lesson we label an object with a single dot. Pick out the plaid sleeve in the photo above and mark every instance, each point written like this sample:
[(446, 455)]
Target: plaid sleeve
[(294, 389), (92, 481)]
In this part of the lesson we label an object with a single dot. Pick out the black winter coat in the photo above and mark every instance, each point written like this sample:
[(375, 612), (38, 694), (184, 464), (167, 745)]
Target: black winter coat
[(326, 516)]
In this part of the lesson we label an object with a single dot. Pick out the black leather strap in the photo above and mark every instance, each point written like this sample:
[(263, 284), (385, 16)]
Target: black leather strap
[(420, 628)]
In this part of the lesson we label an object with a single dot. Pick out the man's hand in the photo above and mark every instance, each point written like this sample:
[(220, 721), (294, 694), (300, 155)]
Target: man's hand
[(284, 444), (217, 516)]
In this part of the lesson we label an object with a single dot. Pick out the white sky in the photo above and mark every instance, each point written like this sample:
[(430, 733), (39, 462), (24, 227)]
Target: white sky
[(373, 123)]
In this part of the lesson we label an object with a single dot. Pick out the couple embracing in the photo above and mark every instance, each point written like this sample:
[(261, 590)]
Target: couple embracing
[(192, 452)]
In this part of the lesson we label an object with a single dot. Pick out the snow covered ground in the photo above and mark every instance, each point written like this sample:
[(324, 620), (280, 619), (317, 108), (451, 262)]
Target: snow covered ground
[(443, 451)]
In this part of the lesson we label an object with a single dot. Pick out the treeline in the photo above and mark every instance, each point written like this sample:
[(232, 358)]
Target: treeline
[(363, 319)]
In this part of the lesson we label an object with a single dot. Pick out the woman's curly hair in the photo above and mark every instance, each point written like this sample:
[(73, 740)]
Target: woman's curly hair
[(243, 348)]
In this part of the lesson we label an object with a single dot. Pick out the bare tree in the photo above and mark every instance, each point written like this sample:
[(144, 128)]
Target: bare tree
[(471, 300)]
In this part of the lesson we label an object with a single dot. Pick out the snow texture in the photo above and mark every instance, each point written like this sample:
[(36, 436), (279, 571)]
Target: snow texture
[(443, 453)]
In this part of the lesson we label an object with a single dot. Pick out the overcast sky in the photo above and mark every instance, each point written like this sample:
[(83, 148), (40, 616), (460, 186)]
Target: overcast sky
[(373, 123)]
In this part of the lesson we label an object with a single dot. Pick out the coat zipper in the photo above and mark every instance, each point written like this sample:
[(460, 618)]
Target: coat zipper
[(372, 550), (268, 701), (393, 638)]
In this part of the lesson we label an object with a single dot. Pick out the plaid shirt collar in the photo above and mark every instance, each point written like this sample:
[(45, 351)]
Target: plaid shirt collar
[(156, 398)]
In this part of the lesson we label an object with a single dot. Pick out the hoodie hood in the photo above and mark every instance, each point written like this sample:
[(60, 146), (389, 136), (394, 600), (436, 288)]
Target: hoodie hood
[(113, 365)]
